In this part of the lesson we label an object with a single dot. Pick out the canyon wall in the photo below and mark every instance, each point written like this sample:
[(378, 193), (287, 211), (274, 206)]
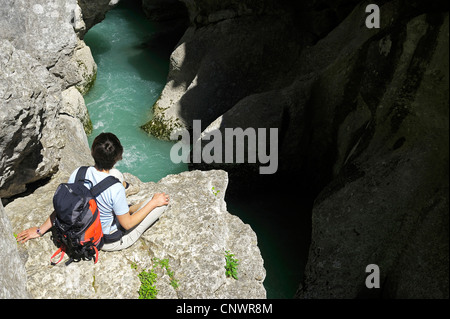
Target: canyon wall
[(362, 117), (41, 57)]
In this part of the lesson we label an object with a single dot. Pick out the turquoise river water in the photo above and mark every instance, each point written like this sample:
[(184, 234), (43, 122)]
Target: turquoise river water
[(130, 79)]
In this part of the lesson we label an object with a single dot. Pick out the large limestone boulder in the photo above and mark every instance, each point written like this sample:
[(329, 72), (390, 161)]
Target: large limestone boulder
[(41, 56), (48, 32), (73, 105), (13, 278), (193, 233), (217, 65), (28, 107)]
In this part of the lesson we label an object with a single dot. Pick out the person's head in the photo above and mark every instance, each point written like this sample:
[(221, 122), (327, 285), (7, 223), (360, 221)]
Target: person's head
[(106, 151)]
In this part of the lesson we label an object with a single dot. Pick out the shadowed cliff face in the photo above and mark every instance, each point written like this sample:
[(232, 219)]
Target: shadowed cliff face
[(362, 118)]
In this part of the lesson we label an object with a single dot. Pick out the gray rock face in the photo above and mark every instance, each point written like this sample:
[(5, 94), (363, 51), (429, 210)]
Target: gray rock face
[(388, 201), (73, 105), (193, 234), (46, 32), (93, 12), (40, 56), (235, 49), (202, 85), (28, 107), (13, 275)]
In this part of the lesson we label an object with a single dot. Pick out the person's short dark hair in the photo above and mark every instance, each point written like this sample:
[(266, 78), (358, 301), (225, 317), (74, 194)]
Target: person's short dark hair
[(106, 151)]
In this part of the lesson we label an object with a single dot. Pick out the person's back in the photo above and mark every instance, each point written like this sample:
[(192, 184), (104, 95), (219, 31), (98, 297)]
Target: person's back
[(111, 202)]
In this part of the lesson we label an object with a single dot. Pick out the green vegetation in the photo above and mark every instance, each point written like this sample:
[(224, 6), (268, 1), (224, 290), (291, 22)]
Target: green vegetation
[(148, 278), (215, 192), (164, 263), (159, 126), (89, 79), (148, 282), (231, 265), (87, 125)]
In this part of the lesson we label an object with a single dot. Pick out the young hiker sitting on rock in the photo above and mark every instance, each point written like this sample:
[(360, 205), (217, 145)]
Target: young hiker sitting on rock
[(122, 225)]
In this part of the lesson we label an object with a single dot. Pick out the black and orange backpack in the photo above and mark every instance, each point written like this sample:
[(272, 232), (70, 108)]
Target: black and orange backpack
[(77, 230)]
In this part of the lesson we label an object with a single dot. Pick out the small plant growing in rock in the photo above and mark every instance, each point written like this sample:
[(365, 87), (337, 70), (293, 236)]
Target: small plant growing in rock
[(215, 192), (231, 265), (164, 263), (148, 282), (148, 278)]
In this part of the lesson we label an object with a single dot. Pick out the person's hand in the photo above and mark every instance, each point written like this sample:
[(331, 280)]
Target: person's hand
[(27, 234), (161, 199)]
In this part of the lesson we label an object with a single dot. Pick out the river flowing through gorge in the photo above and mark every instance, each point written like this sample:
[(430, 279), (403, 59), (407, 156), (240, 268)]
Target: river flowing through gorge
[(129, 80)]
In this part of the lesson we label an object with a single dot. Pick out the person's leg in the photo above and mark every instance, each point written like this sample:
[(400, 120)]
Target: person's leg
[(132, 235)]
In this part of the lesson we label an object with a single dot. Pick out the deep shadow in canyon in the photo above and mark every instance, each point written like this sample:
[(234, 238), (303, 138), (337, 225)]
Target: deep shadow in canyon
[(276, 208), (362, 149)]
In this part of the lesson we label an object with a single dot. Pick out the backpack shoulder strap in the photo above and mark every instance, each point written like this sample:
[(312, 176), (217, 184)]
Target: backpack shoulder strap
[(81, 174), (103, 185)]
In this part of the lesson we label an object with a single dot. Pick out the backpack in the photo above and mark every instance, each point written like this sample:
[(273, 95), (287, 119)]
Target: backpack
[(76, 229)]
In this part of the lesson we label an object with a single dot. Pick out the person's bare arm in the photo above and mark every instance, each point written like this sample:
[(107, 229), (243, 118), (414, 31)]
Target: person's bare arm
[(133, 217), (135, 207), (31, 233)]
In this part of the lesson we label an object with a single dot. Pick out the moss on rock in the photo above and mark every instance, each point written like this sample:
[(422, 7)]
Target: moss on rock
[(161, 127)]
